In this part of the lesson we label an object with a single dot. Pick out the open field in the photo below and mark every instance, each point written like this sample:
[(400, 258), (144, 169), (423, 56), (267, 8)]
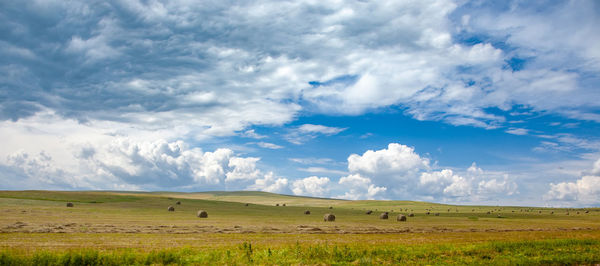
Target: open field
[(111, 225)]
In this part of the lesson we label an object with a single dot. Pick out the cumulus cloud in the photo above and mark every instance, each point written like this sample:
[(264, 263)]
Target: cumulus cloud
[(585, 190), (397, 161), (311, 186), (359, 187), (596, 169), (117, 162), (270, 183), (445, 182), (400, 172)]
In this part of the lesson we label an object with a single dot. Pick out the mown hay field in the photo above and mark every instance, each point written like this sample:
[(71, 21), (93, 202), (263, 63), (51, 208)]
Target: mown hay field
[(248, 228)]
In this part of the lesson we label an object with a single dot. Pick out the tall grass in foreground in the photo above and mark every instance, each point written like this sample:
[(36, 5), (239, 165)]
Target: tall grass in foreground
[(544, 252)]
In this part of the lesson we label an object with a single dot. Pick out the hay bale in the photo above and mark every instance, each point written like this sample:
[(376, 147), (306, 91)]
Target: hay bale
[(411, 215), (283, 205), (178, 203), (383, 216), (307, 212), (202, 214), (329, 217), (369, 211), (401, 218), (171, 209), (70, 204)]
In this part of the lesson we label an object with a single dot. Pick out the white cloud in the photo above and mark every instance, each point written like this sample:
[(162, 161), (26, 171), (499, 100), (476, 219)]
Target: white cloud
[(359, 187), (445, 182), (268, 145), (270, 183), (397, 161), (495, 187), (311, 186), (596, 169), (310, 128), (252, 134), (307, 132), (315, 169), (327, 161), (584, 191), (243, 169), (517, 131)]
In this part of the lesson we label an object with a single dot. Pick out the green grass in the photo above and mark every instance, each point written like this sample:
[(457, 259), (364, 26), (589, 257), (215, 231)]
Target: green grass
[(135, 228), (546, 252), (68, 196)]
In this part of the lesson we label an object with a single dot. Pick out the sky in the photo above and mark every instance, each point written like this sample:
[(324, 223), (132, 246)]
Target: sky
[(463, 102)]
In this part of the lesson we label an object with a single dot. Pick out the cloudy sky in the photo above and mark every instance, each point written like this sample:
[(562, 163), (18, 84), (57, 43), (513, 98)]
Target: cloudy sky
[(486, 102)]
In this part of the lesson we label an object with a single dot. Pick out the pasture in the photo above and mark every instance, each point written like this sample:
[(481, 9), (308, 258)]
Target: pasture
[(248, 228)]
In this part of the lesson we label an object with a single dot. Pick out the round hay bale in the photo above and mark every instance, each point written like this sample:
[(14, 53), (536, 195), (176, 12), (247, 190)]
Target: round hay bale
[(178, 203), (383, 216), (401, 218), (70, 204), (411, 215), (202, 214), (369, 211), (307, 212), (437, 214), (171, 209), (283, 205), (329, 217)]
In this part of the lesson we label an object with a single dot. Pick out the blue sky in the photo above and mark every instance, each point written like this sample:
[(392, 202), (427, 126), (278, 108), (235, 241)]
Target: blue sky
[(469, 102)]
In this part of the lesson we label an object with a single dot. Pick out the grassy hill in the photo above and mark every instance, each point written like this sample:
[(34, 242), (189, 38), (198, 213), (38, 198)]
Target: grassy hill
[(31, 221)]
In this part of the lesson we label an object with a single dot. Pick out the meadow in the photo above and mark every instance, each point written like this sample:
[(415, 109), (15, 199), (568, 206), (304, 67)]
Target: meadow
[(131, 228)]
